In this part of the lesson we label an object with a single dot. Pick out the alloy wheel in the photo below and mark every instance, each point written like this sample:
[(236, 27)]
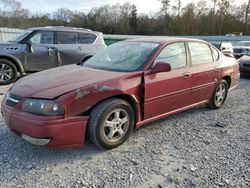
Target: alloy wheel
[(220, 94), (116, 125), (6, 72)]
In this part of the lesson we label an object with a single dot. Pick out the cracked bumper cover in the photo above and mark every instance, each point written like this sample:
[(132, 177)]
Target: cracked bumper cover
[(52, 132)]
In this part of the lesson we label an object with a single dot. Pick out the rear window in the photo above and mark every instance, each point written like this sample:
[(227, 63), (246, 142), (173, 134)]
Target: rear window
[(200, 53), (86, 38), (215, 54), (66, 38)]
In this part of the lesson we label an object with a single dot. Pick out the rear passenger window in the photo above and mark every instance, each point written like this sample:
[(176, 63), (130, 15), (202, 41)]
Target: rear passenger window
[(174, 54), (66, 38), (86, 38), (200, 53)]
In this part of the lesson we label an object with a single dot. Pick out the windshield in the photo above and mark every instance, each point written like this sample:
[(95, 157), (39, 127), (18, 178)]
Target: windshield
[(21, 36), (122, 57)]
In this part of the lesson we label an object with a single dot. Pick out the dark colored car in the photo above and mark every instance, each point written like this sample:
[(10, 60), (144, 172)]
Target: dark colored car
[(240, 51), (241, 48), (43, 48), (127, 85), (244, 63)]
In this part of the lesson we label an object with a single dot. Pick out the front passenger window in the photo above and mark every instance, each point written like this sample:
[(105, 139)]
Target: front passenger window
[(174, 54)]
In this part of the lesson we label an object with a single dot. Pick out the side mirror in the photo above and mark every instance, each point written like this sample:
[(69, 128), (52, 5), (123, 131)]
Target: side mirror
[(29, 47), (161, 67)]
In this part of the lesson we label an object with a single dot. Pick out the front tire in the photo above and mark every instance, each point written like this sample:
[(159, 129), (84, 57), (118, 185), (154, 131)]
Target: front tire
[(8, 72), (110, 123), (220, 95)]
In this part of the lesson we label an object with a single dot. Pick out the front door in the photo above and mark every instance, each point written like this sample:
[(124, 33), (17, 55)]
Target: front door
[(168, 91), (44, 53)]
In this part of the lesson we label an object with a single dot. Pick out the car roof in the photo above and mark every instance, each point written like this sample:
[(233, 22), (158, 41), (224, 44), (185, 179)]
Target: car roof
[(164, 39), (62, 28)]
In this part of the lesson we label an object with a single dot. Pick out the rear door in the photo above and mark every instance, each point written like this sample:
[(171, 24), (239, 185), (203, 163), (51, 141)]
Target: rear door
[(168, 91), (205, 70), (69, 52)]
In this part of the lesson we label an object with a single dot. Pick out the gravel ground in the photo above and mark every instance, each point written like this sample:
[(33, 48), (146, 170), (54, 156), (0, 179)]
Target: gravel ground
[(196, 148)]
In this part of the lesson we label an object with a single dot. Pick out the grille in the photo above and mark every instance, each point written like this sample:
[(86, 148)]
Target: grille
[(12, 100), (238, 50), (246, 65)]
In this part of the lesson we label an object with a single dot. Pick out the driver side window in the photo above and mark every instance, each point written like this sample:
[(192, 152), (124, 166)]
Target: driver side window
[(43, 37), (174, 54)]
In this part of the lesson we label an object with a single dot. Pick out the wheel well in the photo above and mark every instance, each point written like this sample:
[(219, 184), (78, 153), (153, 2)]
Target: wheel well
[(131, 101), (86, 58), (228, 80), (127, 98), (12, 61)]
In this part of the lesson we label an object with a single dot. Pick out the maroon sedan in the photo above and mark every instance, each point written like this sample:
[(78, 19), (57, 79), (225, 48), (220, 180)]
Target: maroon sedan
[(126, 85)]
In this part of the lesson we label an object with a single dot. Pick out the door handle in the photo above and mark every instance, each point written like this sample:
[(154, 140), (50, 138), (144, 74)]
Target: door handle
[(79, 48), (50, 50), (187, 75), (216, 69)]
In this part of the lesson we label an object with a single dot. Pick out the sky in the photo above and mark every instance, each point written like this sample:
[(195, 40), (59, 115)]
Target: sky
[(143, 6), (47, 6)]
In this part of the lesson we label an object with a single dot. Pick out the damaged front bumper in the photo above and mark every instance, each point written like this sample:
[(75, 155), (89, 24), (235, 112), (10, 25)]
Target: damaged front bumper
[(52, 132)]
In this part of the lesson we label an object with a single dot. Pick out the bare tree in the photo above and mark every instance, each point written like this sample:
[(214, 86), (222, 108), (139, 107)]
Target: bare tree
[(179, 7), (246, 16), (165, 6), (192, 19), (133, 18), (201, 7), (12, 8), (214, 6), (63, 15)]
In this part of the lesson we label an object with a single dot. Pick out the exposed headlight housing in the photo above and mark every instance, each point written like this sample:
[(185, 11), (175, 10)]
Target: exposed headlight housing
[(43, 107)]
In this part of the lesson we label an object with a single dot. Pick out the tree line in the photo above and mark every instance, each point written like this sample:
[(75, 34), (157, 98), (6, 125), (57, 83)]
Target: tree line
[(213, 17)]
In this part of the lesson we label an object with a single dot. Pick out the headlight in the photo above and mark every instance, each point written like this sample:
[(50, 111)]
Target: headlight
[(43, 107), (7, 95)]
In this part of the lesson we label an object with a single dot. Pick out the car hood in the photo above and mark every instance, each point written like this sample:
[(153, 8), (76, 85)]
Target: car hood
[(55, 82), (244, 59)]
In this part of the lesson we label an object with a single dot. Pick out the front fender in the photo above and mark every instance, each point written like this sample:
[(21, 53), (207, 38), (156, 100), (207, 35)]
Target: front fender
[(83, 99)]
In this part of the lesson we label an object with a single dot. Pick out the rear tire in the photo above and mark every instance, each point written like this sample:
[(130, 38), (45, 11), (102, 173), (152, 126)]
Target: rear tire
[(219, 96), (110, 123), (8, 72)]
